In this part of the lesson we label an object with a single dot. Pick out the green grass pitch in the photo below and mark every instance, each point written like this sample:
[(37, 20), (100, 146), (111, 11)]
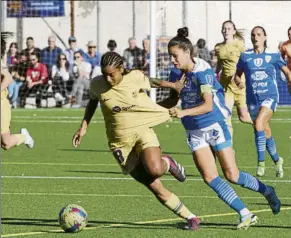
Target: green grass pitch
[(37, 183)]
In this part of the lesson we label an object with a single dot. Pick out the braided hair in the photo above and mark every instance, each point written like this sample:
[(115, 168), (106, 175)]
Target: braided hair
[(113, 59), (4, 36)]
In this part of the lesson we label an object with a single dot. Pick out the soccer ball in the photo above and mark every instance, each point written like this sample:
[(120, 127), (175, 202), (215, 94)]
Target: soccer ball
[(73, 218)]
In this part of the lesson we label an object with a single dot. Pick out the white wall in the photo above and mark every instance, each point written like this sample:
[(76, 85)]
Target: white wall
[(116, 21)]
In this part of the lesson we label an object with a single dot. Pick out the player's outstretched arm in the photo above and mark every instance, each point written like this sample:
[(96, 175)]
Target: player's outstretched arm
[(204, 108), (6, 78), (177, 85), (89, 112)]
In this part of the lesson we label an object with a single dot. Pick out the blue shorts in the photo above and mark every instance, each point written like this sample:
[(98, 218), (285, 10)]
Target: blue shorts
[(268, 103), (216, 135)]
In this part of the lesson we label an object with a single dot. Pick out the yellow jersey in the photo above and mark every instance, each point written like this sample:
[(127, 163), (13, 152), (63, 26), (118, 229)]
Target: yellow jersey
[(228, 56), (126, 107), (4, 93)]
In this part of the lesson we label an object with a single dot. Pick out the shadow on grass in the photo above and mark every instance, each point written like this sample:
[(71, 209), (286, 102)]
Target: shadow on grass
[(126, 225), (102, 151)]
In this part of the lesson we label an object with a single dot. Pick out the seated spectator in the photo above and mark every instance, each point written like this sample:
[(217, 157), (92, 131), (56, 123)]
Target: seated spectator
[(12, 55), (203, 51), (81, 74), (133, 56), (31, 49), (72, 49), (36, 80), (18, 72), (49, 54), (112, 45), (93, 57), (60, 78)]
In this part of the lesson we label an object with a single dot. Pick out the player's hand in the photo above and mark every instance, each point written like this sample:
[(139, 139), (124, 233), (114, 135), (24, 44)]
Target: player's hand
[(78, 137), (176, 112), (179, 84)]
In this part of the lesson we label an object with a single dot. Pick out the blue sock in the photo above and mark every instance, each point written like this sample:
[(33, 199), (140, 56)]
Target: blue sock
[(226, 193), (271, 148), (248, 181), (260, 139)]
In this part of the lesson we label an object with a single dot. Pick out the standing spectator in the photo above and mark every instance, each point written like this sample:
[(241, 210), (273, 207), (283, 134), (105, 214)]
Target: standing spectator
[(93, 57), (30, 48), (133, 56), (36, 79), (12, 55), (18, 72), (61, 77), (146, 53), (49, 54), (112, 45), (72, 49), (81, 74), (202, 51)]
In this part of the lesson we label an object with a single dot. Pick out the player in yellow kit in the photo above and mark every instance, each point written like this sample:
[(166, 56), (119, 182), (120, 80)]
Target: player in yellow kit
[(129, 116), (9, 140), (228, 53)]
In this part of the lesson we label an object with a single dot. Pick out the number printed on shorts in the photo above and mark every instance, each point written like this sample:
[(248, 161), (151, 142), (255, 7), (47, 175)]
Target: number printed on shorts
[(118, 156)]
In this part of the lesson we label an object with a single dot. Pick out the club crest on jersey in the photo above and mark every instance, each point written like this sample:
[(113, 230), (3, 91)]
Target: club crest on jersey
[(268, 58), (209, 79), (258, 62)]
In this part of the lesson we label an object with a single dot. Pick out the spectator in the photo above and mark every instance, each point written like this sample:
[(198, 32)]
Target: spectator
[(72, 49), (146, 53), (203, 51), (18, 72), (213, 59), (12, 55), (133, 56), (61, 77), (81, 74), (93, 57), (30, 48), (49, 54), (36, 79), (112, 45)]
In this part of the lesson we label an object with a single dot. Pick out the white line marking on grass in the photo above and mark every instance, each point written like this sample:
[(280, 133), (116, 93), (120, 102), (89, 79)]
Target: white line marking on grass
[(139, 223), (109, 165), (118, 195), (117, 178)]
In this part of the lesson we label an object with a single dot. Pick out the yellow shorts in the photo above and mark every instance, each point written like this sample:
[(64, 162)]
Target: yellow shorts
[(138, 141), (232, 92), (238, 96), (5, 115)]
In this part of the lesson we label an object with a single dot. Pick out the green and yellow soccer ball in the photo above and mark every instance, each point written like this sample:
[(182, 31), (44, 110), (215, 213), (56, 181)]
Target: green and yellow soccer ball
[(73, 218)]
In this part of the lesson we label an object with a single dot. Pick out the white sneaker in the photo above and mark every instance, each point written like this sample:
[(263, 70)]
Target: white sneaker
[(279, 168), (59, 97), (28, 139)]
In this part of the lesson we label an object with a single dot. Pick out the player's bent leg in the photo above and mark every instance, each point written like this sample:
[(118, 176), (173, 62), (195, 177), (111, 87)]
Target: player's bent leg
[(232, 174), (206, 165), (151, 160), (264, 115), (272, 150), (9, 140), (167, 198), (158, 165)]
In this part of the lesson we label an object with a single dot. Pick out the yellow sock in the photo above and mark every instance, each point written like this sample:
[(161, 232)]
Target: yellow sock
[(20, 139), (176, 206)]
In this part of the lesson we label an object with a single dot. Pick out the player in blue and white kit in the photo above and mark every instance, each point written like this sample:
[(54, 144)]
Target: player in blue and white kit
[(203, 116), (259, 66)]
